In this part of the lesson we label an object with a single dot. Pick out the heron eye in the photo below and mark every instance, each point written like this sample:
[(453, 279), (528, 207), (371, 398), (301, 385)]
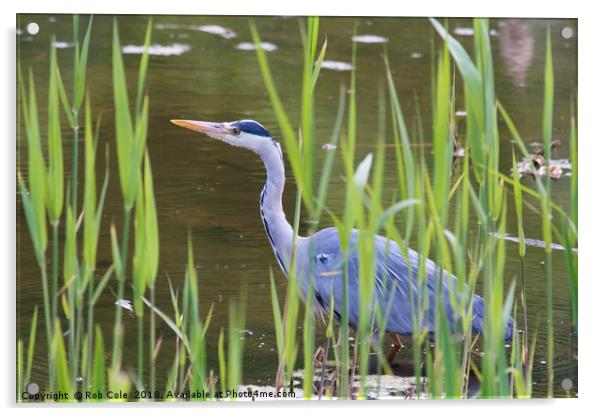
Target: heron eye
[(236, 131)]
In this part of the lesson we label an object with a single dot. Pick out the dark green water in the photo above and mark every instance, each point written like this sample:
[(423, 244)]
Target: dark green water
[(211, 191)]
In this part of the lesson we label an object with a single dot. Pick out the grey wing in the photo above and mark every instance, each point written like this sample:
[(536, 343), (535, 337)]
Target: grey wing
[(397, 288)]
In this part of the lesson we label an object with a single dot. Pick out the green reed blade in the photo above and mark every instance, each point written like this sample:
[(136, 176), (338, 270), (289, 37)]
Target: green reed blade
[(143, 67), (170, 323), (63, 379), (31, 345), (103, 193), (99, 370), (518, 203), (36, 174), (318, 65), (443, 132), (101, 284), (221, 356), (81, 67), (329, 160), (90, 243), (70, 266), (235, 345), (20, 383), (67, 109), (140, 261), (124, 130), (309, 343), (405, 167), (546, 212), (151, 224), (54, 189), (474, 98), (116, 254), (277, 317)]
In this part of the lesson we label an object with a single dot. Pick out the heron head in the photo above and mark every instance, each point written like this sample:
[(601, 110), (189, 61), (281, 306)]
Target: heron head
[(242, 133)]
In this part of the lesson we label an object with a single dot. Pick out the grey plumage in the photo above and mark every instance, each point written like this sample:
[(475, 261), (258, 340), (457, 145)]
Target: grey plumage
[(321, 255)]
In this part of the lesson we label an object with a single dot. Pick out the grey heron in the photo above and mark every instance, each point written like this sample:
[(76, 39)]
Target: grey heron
[(322, 254)]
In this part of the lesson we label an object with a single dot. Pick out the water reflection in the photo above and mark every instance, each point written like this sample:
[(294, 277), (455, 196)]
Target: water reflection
[(516, 44)]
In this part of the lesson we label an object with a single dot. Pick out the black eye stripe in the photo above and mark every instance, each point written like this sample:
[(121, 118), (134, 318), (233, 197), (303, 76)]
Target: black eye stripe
[(252, 127)]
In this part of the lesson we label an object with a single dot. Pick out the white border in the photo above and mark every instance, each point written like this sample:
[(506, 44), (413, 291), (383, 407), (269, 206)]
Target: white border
[(589, 141)]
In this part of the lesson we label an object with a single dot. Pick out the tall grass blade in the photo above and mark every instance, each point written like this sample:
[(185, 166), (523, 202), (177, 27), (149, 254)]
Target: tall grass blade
[(98, 370), (64, 382)]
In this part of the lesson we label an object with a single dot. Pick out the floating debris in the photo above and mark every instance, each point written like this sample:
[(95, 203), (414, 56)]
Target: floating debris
[(329, 146), (249, 46), (469, 31), (336, 65), (369, 39), (464, 31), (530, 242), (125, 304), (224, 32), (416, 55), (62, 45), (174, 49), (167, 26)]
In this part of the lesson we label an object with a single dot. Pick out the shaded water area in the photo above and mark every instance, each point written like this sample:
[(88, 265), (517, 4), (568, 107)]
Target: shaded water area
[(204, 68)]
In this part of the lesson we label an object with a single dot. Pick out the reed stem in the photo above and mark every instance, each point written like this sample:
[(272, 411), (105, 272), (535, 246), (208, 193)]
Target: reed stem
[(74, 161), (47, 320), (140, 354), (117, 329), (152, 343), (54, 270)]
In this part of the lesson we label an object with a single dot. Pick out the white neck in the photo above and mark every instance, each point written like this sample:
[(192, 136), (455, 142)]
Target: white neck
[(278, 229)]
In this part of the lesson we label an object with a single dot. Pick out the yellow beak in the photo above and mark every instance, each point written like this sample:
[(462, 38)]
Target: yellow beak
[(216, 130)]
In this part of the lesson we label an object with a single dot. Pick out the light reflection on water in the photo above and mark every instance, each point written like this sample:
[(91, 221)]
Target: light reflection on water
[(211, 191)]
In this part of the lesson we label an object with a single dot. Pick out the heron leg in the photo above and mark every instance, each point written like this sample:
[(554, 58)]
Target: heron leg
[(396, 347)]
